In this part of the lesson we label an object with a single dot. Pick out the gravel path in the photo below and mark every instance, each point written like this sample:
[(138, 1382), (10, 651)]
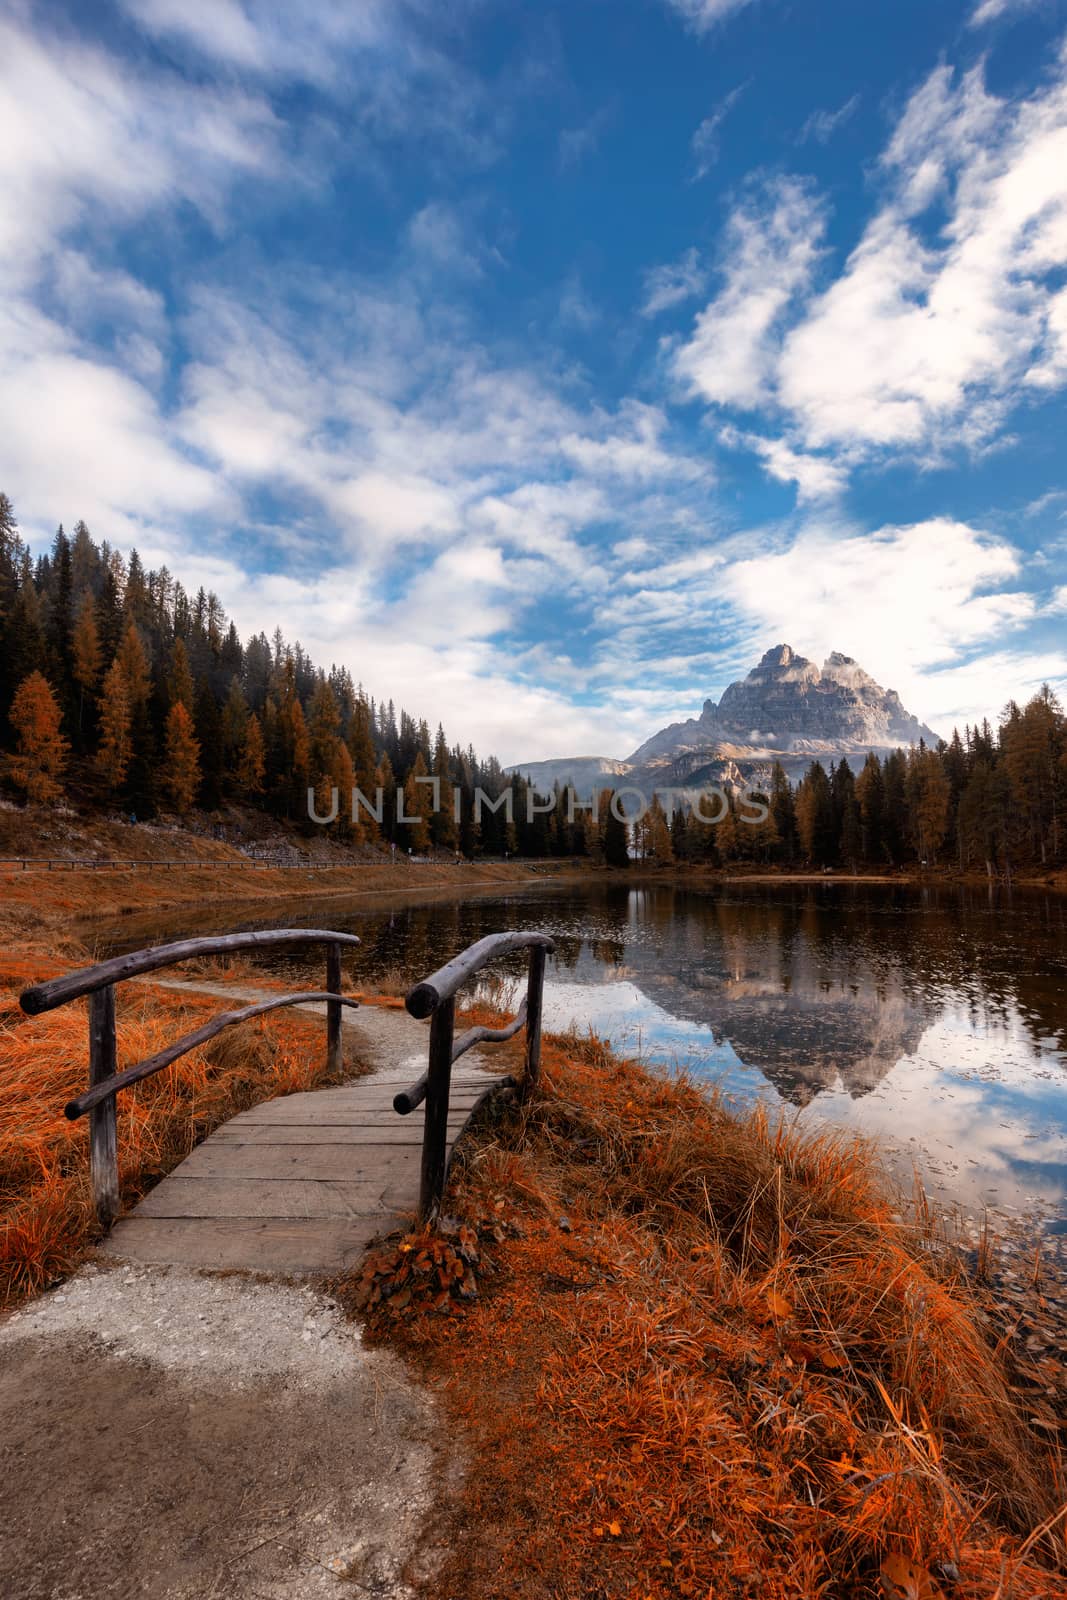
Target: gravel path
[(194, 1436)]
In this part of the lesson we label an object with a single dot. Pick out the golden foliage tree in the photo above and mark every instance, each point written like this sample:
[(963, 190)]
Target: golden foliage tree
[(418, 804), (181, 776), (134, 664), (86, 654), (180, 679), (252, 765), (41, 750), (116, 715)]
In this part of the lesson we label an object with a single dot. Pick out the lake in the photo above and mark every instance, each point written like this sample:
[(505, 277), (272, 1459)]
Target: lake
[(932, 1017)]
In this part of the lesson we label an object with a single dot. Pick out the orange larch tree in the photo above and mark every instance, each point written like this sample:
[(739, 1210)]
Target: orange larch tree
[(115, 748), (41, 752), (181, 777)]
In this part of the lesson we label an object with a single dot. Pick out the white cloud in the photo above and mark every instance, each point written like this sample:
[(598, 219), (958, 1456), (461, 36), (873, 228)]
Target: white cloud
[(437, 237), (772, 246), (816, 477), (990, 10), (822, 125), (82, 141), (672, 284), (575, 144), (924, 342), (704, 14), (911, 604), (705, 142)]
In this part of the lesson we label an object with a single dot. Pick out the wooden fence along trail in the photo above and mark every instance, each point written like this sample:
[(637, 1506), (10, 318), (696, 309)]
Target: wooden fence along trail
[(304, 1182)]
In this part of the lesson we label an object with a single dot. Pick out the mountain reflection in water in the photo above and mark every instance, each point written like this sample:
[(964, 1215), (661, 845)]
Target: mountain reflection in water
[(935, 1018)]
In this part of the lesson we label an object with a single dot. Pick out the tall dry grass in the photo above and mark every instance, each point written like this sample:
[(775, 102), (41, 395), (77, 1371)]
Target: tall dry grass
[(734, 1372), (46, 1214)]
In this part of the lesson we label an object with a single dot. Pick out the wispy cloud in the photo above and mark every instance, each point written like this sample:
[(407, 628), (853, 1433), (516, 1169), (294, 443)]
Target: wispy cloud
[(924, 342), (576, 144), (822, 125), (704, 14), (990, 10), (772, 246), (673, 284), (705, 143), (816, 477)]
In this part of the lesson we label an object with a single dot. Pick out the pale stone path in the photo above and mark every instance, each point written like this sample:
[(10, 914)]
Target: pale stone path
[(303, 1183), (167, 1433)]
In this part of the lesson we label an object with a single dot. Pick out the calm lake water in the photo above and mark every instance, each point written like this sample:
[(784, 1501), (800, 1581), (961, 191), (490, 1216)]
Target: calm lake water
[(934, 1018)]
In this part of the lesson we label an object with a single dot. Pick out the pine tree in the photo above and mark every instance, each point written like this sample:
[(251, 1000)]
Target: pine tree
[(114, 751), (134, 660), (181, 776), (251, 765), (180, 679), (870, 797), (41, 750), (418, 803), (614, 832), (207, 727), (443, 830), (783, 811), (815, 825), (86, 655)]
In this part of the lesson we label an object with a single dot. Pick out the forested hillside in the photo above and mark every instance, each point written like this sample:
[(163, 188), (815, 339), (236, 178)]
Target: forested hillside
[(120, 691)]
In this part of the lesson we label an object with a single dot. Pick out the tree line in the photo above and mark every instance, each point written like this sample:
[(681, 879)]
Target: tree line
[(984, 801), (120, 690)]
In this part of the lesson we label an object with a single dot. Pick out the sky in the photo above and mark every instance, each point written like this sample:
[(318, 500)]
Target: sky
[(545, 364)]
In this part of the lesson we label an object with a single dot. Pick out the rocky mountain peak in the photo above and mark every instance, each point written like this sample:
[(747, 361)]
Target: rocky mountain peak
[(786, 709)]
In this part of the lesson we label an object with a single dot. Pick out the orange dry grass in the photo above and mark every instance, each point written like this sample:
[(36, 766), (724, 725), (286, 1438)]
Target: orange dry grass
[(46, 1215), (735, 1375)]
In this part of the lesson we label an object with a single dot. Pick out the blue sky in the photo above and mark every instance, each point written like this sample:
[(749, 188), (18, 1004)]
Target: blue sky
[(547, 363)]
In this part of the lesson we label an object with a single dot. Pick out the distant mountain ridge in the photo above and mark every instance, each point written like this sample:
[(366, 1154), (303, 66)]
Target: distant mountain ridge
[(786, 709)]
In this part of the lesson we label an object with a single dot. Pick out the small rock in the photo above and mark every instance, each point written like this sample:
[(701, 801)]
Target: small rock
[(564, 1224)]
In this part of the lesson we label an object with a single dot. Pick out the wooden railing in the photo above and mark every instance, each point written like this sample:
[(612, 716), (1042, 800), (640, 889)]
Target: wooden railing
[(435, 997), (105, 1082)]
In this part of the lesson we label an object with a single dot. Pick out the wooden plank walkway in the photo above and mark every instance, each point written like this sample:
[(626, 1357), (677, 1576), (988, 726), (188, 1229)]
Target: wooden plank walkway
[(301, 1184)]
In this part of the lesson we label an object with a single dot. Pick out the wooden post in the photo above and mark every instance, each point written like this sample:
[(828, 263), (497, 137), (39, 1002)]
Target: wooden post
[(435, 1128), (534, 992), (103, 1129), (333, 1009)]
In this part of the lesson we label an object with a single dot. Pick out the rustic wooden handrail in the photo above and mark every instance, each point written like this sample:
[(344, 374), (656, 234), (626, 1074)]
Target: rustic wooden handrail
[(98, 982), (189, 1041), (435, 997)]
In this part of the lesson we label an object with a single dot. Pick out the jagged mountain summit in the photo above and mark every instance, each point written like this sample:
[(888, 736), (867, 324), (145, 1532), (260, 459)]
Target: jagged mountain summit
[(787, 709)]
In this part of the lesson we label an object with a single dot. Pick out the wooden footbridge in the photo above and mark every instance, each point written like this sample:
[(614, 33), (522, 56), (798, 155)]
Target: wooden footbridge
[(304, 1182)]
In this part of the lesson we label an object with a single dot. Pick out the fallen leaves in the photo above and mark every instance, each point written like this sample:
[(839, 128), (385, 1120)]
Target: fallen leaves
[(902, 1579)]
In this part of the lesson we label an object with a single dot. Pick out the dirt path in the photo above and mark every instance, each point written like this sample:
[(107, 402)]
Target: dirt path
[(192, 1436)]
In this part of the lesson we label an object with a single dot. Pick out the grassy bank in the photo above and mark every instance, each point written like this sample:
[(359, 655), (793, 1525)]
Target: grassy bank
[(721, 1363), (46, 1216)]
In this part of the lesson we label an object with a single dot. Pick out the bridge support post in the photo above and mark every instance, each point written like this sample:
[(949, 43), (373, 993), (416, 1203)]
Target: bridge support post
[(535, 989), (103, 1122), (333, 1010), (435, 1132)]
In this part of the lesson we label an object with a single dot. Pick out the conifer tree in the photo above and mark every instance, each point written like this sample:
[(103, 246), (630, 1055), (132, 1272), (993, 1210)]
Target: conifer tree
[(41, 750), (251, 765), (116, 717), (86, 655), (181, 773), (614, 833), (418, 803), (180, 679)]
